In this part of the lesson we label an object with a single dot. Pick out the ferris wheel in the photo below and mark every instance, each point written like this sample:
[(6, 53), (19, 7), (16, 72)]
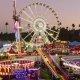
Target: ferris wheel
[(38, 20)]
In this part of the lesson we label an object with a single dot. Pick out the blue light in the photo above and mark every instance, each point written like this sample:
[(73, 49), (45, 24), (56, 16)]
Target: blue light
[(21, 75), (25, 74)]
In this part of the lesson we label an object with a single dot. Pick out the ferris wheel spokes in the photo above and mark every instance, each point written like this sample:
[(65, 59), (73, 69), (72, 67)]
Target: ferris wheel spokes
[(28, 15), (31, 11), (26, 20), (52, 30), (45, 12), (41, 8), (28, 35), (35, 9), (57, 34), (45, 37), (50, 35), (33, 37)]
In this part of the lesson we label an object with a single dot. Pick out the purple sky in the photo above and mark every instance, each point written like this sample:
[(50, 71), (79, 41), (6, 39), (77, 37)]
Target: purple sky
[(68, 11)]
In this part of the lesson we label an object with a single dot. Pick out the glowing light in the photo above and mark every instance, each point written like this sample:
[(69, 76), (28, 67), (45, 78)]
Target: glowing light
[(71, 65)]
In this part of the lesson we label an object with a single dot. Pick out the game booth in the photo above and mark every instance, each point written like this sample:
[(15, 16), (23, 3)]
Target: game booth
[(19, 69)]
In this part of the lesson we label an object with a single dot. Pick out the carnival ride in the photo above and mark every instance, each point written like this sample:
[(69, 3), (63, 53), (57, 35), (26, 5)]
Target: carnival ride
[(35, 19), (72, 62)]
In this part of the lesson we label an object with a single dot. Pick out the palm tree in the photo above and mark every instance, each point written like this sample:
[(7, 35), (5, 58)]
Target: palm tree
[(73, 32), (67, 28), (73, 26), (6, 24), (79, 29), (79, 26)]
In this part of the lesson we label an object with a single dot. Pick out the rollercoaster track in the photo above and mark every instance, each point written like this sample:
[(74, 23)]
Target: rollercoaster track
[(51, 65)]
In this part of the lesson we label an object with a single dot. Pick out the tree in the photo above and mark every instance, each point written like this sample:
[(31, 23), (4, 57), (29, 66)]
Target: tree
[(1, 36), (6, 24), (79, 26), (73, 26), (73, 32)]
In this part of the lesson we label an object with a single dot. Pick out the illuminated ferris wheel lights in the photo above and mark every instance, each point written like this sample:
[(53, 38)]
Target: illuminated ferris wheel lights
[(52, 30), (29, 7), (28, 15), (51, 34), (26, 20), (40, 37), (28, 35), (39, 21)]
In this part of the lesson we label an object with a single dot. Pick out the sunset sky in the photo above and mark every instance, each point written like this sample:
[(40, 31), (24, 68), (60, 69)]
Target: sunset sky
[(68, 11)]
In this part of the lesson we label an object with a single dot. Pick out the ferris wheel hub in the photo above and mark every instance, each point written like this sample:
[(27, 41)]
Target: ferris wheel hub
[(39, 25)]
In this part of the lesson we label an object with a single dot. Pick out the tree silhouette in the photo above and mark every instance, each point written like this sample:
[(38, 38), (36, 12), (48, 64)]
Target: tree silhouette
[(73, 26), (6, 24), (1, 36), (73, 32), (65, 34)]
